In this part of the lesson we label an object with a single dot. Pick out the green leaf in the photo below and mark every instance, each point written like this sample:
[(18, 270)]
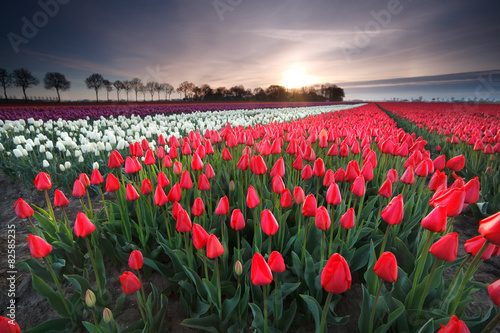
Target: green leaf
[(229, 305), (287, 318), (390, 320), (101, 269), (258, 318), (91, 328), (428, 327), (199, 285), (79, 282), (314, 308), (52, 326), (44, 290), (212, 291), (208, 323)]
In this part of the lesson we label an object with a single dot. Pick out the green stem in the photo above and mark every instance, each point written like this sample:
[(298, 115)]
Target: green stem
[(492, 324), (455, 277), (264, 292), (33, 226), (239, 244), (140, 308), (374, 307), (104, 202), (58, 285), (219, 297), (167, 226), (92, 260), (322, 250), (187, 249), (66, 220), (95, 318), (304, 244), (330, 244), (342, 241), (141, 229), (142, 286), (205, 263), (90, 203), (269, 245), (49, 205), (421, 262), (468, 275), (427, 286), (322, 326), (384, 242)]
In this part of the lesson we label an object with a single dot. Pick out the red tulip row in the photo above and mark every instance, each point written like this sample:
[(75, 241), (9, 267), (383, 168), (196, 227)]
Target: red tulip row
[(312, 166)]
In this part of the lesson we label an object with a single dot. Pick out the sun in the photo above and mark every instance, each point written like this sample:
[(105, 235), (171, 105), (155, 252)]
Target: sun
[(296, 78)]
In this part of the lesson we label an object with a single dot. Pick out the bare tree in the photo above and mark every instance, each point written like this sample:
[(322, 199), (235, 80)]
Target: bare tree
[(158, 89), (186, 88), (136, 86), (143, 90), (96, 82), (6, 81), (109, 87), (127, 86), (151, 87), (57, 81), (118, 86), (168, 89), (206, 90), (24, 79)]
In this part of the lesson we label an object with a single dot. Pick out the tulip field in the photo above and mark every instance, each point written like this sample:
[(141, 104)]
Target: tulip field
[(266, 218)]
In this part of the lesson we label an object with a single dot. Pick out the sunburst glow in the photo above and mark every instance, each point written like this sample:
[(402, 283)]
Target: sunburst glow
[(296, 78)]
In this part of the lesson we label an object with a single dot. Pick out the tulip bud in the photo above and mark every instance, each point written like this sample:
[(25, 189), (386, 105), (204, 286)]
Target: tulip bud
[(107, 315), (231, 186), (238, 268), (488, 171), (90, 298)]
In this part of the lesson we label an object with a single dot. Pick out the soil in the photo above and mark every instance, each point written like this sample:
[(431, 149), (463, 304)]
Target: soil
[(31, 309)]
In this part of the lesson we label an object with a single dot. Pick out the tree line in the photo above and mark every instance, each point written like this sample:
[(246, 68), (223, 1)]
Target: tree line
[(56, 81)]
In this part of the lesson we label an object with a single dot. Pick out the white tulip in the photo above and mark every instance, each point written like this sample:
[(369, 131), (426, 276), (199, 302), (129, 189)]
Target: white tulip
[(48, 155), (62, 168), (67, 164), (45, 164), (1, 147), (95, 165), (80, 159), (17, 153)]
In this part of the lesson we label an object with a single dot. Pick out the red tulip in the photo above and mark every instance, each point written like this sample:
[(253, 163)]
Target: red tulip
[(392, 175), (439, 162), (333, 196), (298, 195), (132, 165), (252, 200), (408, 177), (115, 160), (23, 210), (260, 272), (286, 199), (84, 179), (268, 222), (336, 276), (310, 206), (38, 247), (83, 226), (131, 193), (186, 183), (456, 163), (160, 198), (78, 189), (177, 168), (386, 267), (386, 189), (348, 219), (167, 162), (297, 163), (322, 218), (175, 193), (209, 171), (436, 220), (200, 236), (394, 211), (452, 198), (454, 326), (203, 183), (237, 220), (244, 162), (494, 291), (135, 260), (172, 153), (8, 325), (472, 191), (278, 169), (439, 178), (183, 221), (319, 168), (145, 144), (276, 262), (43, 182), (277, 185), (446, 247), (176, 208), (358, 186), (257, 165), (306, 172), (214, 247), (329, 178), (223, 206), (149, 159), (96, 177), (352, 171), (475, 244), (162, 180), (490, 228), (130, 283), (112, 183), (339, 175), (186, 149), (198, 207)]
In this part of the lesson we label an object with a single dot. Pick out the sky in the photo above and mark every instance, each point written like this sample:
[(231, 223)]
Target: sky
[(378, 49)]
